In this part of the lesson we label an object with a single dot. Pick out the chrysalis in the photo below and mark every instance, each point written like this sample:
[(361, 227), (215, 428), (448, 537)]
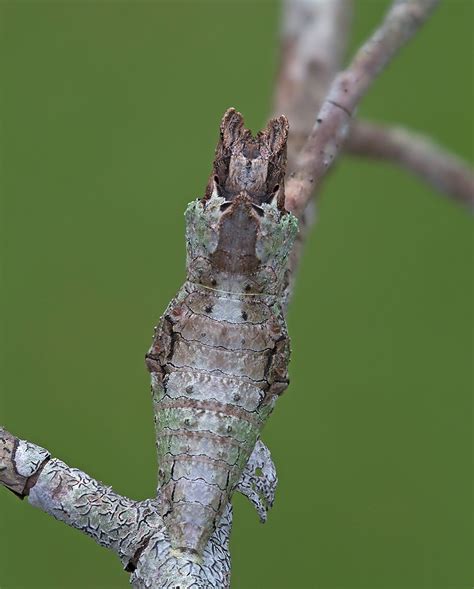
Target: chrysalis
[(220, 353)]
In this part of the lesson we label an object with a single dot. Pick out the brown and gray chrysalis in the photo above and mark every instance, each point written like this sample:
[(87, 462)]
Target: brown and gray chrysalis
[(220, 353)]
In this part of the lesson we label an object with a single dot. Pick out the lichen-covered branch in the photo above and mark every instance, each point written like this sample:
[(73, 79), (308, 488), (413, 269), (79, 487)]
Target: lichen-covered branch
[(332, 126), (134, 530), (21, 463), (159, 567), (72, 496), (418, 154)]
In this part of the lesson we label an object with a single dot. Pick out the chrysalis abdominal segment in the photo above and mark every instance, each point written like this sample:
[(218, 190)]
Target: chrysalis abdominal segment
[(220, 353)]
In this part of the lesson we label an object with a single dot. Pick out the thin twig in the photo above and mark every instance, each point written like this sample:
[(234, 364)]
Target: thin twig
[(333, 121), (313, 42), (416, 153)]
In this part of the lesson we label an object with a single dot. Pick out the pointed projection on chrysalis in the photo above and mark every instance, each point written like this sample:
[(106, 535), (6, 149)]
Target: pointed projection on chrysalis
[(220, 353)]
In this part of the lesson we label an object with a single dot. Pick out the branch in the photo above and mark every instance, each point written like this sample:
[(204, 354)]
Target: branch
[(416, 153), (159, 567), (258, 483), (313, 42), (333, 122), (132, 529), (75, 498)]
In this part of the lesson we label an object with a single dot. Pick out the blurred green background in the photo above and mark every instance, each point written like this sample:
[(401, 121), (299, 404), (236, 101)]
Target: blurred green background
[(109, 122)]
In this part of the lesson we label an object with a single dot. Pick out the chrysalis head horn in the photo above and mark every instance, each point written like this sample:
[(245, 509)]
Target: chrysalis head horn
[(275, 134), (232, 127), (247, 164)]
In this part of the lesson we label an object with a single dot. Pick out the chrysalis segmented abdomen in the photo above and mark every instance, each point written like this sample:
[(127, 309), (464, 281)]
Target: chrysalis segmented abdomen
[(212, 395), (220, 353)]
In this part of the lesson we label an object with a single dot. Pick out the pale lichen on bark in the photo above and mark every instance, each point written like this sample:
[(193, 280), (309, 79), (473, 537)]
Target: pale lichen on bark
[(20, 463)]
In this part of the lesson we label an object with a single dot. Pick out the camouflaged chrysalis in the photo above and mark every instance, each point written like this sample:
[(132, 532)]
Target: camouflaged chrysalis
[(220, 353)]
